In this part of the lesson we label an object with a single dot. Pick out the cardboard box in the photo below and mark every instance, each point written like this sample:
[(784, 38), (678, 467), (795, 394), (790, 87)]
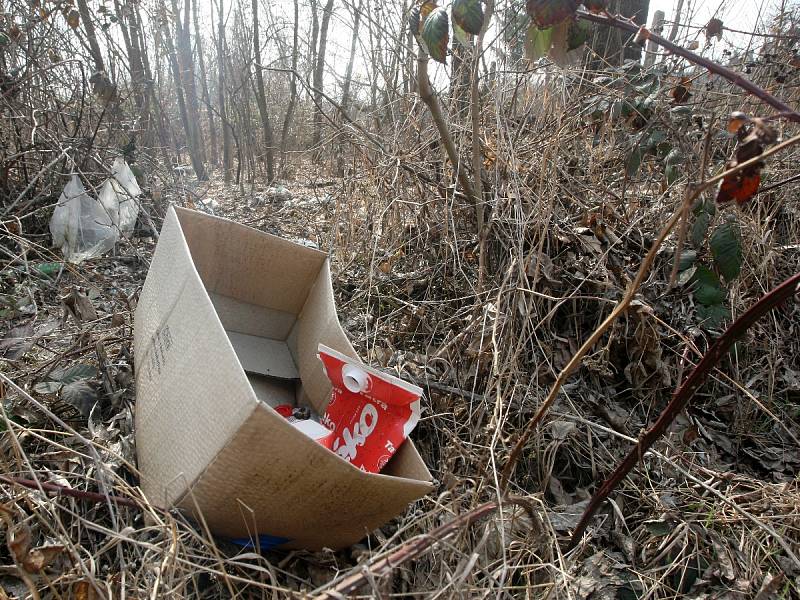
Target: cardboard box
[(227, 326)]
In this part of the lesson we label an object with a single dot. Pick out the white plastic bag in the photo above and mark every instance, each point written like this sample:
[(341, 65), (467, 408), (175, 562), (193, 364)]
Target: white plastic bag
[(110, 197), (128, 192), (81, 226)]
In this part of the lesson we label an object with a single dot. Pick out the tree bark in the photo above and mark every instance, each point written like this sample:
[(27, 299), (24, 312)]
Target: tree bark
[(319, 70), (212, 130), (91, 36), (287, 119), (186, 63), (608, 41), (226, 133), (189, 128), (131, 40), (261, 98), (152, 105), (348, 78)]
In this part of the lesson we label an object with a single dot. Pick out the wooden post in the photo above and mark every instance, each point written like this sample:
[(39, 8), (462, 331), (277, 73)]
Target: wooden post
[(652, 48)]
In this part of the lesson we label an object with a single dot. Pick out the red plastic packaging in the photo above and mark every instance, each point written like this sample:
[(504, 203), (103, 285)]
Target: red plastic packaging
[(370, 413)]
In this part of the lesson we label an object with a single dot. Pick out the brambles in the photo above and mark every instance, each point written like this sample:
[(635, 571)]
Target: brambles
[(468, 15), (436, 34), (753, 134)]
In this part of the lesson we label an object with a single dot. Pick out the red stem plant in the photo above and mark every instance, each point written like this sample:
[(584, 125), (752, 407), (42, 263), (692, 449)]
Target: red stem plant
[(686, 391)]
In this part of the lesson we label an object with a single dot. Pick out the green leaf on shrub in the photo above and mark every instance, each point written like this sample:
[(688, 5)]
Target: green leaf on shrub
[(436, 34), (579, 32), (537, 42), (417, 16), (634, 162), (659, 527), (468, 14), (712, 316), (707, 288), (49, 268), (47, 387), (672, 173), (681, 111), (81, 395), (703, 211), (699, 228), (74, 373), (726, 247), (460, 36), (686, 260), (673, 158)]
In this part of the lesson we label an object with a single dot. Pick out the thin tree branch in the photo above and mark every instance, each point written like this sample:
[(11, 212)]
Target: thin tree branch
[(61, 490), (406, 551), (644, 34), (428, 96)]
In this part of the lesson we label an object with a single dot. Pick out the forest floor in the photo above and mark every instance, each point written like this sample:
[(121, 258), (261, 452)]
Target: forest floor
[(709, 514)]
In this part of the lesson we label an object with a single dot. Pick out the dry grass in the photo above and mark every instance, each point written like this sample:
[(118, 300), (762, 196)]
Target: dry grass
[(701, 515)]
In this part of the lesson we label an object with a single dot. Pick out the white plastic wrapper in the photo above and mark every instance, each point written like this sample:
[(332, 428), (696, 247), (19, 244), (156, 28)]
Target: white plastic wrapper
[(127, 191), (119, 195), (81, 226)]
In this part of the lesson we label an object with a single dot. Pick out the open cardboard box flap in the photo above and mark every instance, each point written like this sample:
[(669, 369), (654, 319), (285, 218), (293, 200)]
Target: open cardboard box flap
[(222, 299)]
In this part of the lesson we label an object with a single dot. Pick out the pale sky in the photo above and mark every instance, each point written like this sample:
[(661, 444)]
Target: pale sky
[(745, 15)]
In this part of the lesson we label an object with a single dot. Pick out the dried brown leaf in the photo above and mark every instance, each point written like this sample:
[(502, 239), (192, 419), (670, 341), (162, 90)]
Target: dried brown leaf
[(41, 557), (19, 542), (736, 121), (73, 19), (79, 306), (83, 590), (714, 29), (17, 342)]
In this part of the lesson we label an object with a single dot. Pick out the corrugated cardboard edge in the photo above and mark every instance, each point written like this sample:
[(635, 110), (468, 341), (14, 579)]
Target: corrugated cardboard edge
[(315, 499), (177, 436)]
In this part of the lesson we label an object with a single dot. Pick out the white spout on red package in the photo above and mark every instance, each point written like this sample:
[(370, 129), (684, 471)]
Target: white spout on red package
[(370, 413)]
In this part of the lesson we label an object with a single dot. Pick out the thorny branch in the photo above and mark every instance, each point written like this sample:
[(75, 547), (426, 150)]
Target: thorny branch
[(643, 34), (684, 394), (575, 361)]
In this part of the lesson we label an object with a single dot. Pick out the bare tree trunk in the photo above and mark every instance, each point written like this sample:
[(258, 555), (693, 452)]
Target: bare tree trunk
[(152, 105), (375, 52), (186, 64), (188, 127), (312, 47), (411, 60), (198, 42), (261, 98), (348, 78), (226, 133), (319, 70), (287, 120), (676, 22), (91, 36), (608, 42), (131, 40)]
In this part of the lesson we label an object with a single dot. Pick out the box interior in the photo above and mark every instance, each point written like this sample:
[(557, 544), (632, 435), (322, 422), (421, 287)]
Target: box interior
[(262, 344)]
